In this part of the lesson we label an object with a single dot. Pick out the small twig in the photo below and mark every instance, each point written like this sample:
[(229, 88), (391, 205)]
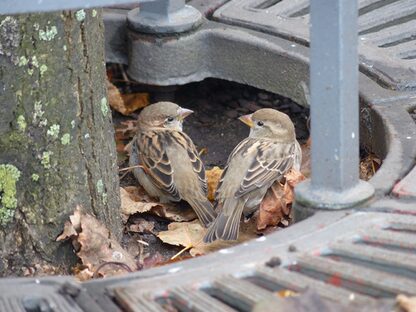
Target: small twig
[(124, 175), (182, 251), (132, 167), (120, 264), (143, 242), (373, 167)]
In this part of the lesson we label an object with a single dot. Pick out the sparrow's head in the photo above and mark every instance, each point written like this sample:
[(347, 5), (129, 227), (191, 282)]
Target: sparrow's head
[(163, 115), (268, 123)]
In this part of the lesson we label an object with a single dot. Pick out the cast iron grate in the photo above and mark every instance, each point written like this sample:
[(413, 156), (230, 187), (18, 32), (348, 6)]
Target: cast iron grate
[(361, 263), (387, 32), (374, 262)]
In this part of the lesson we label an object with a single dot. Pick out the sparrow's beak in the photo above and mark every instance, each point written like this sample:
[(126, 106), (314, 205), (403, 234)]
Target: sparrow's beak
[(247, 120), (184, 112)]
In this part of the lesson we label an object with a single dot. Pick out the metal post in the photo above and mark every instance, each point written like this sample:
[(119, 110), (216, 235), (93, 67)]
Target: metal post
[(334, 108)]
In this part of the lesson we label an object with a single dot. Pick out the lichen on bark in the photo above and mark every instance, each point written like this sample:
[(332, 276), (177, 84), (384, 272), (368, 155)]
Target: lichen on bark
[(9, 175)]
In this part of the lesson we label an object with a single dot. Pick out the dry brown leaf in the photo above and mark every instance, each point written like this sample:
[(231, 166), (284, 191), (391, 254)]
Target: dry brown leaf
[(133, 102), (95, 244), (135, 200), (368, 166), (408, 304), (213, 177), (125, 103), (126, 130), (190, 234), (141, 225), (276, 204), (284, 293)]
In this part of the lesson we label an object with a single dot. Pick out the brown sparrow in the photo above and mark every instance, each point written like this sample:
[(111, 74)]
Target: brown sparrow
[(268, 153), (170, 167)]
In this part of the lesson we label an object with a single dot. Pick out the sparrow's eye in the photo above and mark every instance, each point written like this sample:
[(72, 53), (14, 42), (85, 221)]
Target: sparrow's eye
[(260, 123), (170, 119)]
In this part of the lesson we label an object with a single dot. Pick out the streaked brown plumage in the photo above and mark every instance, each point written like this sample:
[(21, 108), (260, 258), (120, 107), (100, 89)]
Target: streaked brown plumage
[(264, 157), (171, 169)]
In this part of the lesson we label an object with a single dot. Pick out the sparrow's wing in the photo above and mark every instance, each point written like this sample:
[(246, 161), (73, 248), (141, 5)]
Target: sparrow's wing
[(270, 162), (155, 161), (193, 154)]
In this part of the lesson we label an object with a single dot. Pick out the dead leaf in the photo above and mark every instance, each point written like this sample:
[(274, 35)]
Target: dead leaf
[(135, 200), (284, 293), (133, 102), (190, 235), (408, 304), (213, 177), (126, 103), (125, 130), (95, 244), (141, 225), (369, 166), (276, 204)]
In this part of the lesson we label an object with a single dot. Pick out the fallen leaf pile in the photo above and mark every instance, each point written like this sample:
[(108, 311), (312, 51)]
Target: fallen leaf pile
[(135, 200), (95, 246), (126, 103), (190, 235), (368, 166), (276, 205)]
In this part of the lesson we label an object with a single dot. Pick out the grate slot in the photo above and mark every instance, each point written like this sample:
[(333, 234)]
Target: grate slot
[(292, 8), (240, 294), (392, 36), (266, 4), (389, 15), (11, 304), (390, 238), (365, 279), (366, 6), (130, 300), (404, 226), (405, 50), (279, 278), (191, 300), (377, 258)]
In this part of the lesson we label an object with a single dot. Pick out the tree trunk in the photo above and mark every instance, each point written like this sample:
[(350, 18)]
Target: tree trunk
[(57, 146)]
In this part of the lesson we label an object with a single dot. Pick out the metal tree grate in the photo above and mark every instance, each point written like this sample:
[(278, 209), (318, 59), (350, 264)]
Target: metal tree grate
[(387, 32), (375, 261)]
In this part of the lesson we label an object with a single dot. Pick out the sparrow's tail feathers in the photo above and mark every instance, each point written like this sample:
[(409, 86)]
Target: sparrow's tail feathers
[(226, 226), (203, 210)]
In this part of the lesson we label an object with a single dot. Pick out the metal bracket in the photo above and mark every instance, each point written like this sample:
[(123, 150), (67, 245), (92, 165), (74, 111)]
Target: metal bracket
[(164, 17)]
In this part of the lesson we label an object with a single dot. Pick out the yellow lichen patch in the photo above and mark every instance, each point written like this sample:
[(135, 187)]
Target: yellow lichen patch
[(9, 175)]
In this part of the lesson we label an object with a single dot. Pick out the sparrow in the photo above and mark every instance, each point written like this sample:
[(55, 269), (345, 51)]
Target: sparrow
[(170, 167), (265, 156)]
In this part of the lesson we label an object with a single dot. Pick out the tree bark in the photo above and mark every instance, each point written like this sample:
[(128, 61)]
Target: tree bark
[(57, 145)]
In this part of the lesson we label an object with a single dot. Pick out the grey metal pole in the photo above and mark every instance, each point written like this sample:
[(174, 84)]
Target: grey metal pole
[(334, 108)]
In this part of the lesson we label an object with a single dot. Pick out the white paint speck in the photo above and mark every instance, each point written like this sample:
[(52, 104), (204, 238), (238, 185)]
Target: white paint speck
[(293, 45), (117, 255), (249, 265), (175, 269), (352, 296), (336, 157), (37, 281), (261, 239), (353, 135), (409, 137), (226, 251)]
